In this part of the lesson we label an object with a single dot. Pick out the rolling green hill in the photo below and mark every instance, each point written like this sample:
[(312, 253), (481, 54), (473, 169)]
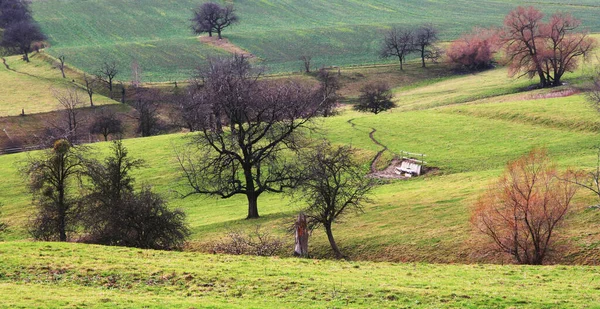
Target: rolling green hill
[(425, 219), (336, 32)]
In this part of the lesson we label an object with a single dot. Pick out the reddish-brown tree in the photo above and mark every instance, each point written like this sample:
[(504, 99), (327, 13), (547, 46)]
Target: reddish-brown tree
[(520, 212), (475, 50), (547, 50)]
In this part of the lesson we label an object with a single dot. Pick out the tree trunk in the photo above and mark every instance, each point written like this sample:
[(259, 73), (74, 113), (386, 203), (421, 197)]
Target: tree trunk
[(252, 206), (91, 101), (62, 70), (26, 57), (423, 57), (334, 247), (301, 236), (62, 213), (219, 33), (400, 59)]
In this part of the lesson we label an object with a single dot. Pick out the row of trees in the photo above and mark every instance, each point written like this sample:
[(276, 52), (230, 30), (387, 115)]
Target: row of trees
[(20, 31), (74, 194), (531, 47), (401, 42)]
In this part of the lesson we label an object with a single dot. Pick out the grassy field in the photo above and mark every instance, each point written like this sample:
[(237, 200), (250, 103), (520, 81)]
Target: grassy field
[(50, 275), (29, 86), (340, 33), (423, 219)]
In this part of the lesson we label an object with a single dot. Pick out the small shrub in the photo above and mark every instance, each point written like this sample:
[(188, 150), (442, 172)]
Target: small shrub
[(143, 220), (375, 97), (474, 51), (256, 242)]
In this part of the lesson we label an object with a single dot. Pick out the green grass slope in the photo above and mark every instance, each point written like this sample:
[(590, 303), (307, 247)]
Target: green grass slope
[(424, 219), (51, 275), (29, 86), (336, 32)]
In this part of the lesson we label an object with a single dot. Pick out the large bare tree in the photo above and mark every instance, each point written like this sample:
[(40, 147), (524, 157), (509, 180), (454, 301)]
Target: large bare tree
[(547, 50), (425, 37), (334, 185), (397, 42), (52, 176), (20, 36), (247, 142), (212, 17), (521, 211)]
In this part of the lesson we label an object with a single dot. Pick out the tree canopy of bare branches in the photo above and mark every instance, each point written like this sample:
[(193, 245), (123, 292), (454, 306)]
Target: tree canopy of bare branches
[(106, 123), (212, 17), (52, 180), (375, 97), (13, 11), (247, 142), (334, 185), (107, 73), (19, 37), (397, 42), (521, 211), (329, 84), (548, 50), (70, 119), (424, 39)]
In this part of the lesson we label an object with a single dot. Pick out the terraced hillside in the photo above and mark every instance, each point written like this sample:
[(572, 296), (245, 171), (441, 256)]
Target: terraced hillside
[(157, 35)]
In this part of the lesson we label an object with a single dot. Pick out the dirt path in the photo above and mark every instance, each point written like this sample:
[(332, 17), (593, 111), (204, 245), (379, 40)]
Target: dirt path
[(372, 137), (225, 45), (6, 65)]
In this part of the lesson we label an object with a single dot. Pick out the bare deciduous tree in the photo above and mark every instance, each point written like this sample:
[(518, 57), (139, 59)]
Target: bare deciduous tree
[(397, 42), (375, 97), (20, 36), (107, 72), (70, 120), (212, 17), (106, 123), (60, 64), (521, 211), (424, 39), (547, 50), (306, 59), (329, 84), (334, 185), (136, 74), (13, 11), (147, 110), (255, 154), (52, 178), (90, 86)]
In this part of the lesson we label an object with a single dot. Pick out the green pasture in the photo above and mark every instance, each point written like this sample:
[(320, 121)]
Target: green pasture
[(424, 219), (30, 86), (335, 33), (50, 275)]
